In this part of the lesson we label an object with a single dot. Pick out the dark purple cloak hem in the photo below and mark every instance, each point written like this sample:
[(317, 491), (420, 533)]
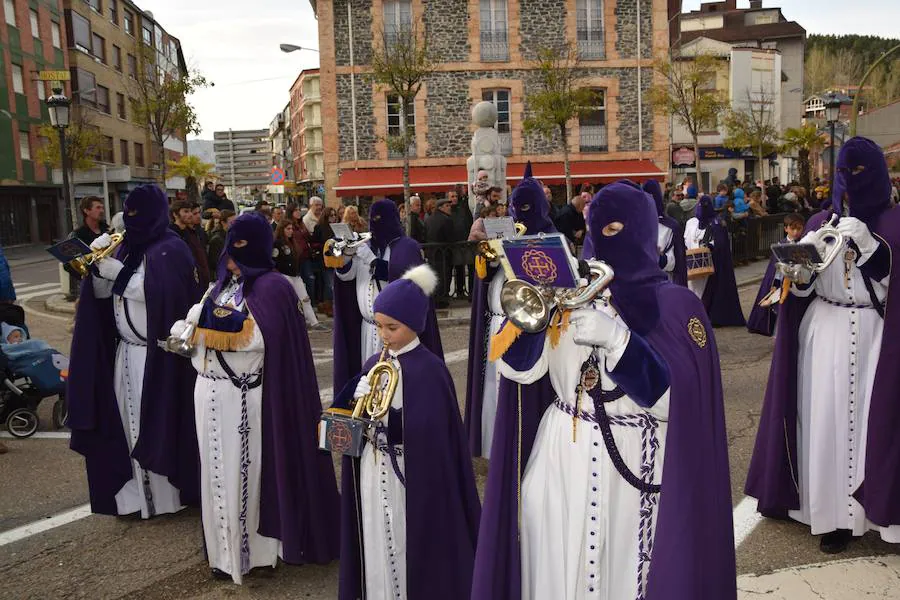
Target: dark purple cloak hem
[(442, 507), (773, 468), (478, 353), (168, 441), (693, 550), (405, 254), (763, 318), (298, 491), (720, 297), (679, 274)]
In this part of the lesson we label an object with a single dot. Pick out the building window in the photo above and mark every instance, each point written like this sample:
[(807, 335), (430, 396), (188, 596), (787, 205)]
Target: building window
[(81, 32), (590, 29), (147, 34), (114, 12), (41, 90), (123, 152), (393, 123), (18, 81), (494, 44), (173, 50), (129, 22), (24, 146), (103, 98), (592, 126), (117, 58), (54, 33), (98, 47), (138, 154), (500, 98), (35, 29), (9, 12), (397, 20), (106, 150), (85, 84), (120, 106), (132, 66), (95, 4)]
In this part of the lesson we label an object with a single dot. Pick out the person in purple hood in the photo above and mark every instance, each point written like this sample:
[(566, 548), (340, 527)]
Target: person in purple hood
[(410, 508), (670, 237), (529, 206), (388, 255), (625, 488), (267, 491), (719, 290), (827, 452), (131, 407)]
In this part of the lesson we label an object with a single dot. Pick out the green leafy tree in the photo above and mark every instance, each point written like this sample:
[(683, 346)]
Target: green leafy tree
[(400, 65), (193, 170), (804, 140), (688, 94), (159, 100), (752, 127), (83, 143), (558, 98)]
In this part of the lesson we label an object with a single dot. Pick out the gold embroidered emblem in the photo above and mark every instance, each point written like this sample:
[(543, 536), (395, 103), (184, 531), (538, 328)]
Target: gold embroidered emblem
[(221, 312), (697, 331), (590, 378), (539, 266)]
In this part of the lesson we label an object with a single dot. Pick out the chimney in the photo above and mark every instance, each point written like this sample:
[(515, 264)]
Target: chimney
[(730, 4), (755, 4)]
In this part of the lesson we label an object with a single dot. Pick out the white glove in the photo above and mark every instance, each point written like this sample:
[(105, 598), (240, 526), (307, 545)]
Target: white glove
[(101, 242), (595, 328), (858, 231), (815, 240), (178, 327), (109, 268), (362, 388), (193, 315), (365, 253)]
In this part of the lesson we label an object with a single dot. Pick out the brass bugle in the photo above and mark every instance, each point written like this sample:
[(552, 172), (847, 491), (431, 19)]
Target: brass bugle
[(381, 393), (82, 264)]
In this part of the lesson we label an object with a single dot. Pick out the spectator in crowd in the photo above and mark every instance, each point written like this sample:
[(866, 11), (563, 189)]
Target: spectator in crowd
[(183, 224), (683, 209), (721, 197), (93, 225), (773, 194), (477, 231), (286, 264), (277, 216), (439, 230), (740, 209), (789, 203), (481, 190), (416, 225), (502, 210), (322, 234), (462, 257), (198, 223), (217, 238), (402, 210), (756, 205), (7, 290), (208, 195), (217, 199), (549, 194), (352, 218), (570, 220), (495, 196), (430, 206)]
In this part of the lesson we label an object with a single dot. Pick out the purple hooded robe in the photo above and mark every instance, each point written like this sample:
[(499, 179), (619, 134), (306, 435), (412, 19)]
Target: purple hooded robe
[(679, 274), (298, 491), (387, 231), (168, 443), (763, 318), (530, 207), (774, 463), (693, 549), (720, 297)]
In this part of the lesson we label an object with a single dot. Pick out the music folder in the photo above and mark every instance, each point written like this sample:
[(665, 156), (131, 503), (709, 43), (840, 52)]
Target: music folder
[(68, 250), (796, 254), (541, 260)]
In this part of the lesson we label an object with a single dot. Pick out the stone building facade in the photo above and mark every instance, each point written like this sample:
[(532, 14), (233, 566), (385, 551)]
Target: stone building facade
[(484, 49)]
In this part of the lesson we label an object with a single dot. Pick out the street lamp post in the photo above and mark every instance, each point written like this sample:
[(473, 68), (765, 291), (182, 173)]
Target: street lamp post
[(832, 114), (294, 48), (58, 105)]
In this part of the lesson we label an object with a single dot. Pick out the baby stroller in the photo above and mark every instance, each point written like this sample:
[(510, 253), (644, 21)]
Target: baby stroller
[(27, 379)]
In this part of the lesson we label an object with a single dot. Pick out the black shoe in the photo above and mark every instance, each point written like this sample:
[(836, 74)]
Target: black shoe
[(220, 575), (836, 541)]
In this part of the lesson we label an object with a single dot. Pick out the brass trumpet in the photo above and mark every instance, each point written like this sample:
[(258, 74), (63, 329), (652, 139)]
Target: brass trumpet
[(491, 249), (339, 247), (377, 402), (82, 264)]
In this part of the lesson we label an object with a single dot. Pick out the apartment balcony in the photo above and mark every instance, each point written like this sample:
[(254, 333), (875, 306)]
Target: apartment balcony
[(594, 138), (590, 44), (314, 147), (494, 46), (394, 153), (506, 143)]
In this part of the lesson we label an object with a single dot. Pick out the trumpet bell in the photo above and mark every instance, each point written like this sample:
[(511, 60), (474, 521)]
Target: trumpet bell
[(82, 264), (524, 305), (179, 346)]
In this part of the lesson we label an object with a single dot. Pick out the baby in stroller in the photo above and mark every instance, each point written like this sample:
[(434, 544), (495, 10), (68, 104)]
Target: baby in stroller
[(31, 371)]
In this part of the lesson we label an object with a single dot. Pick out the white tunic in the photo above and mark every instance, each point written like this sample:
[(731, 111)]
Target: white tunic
[(491, 379), (309, 313), (692, 237), (147, 492), (582, 534), (383, 501), (366, 291), (838, 356), (229, 433), (664, 240)]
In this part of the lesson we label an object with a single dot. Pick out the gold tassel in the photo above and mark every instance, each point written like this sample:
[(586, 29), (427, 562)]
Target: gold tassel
[(785, 290), (502, 340), (481, 266), (558, 325), (224, 341)]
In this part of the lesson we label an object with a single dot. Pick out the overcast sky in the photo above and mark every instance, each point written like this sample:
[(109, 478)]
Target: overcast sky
[(234, 43)]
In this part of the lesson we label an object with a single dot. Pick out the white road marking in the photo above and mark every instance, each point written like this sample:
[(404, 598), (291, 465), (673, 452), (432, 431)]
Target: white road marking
[(32, 291), (40, 435), (746, 518), (33, 287), (63, 518)]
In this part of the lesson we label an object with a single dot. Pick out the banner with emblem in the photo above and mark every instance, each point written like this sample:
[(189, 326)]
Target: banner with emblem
[(541, 260)]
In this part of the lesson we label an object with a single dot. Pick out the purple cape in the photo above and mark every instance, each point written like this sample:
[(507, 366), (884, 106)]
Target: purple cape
[(762, 318), (405, 254), (774, 463), (298, 491), (693, 549), (168, 441), (442, 508), (478, 353), (679, 274), (720, 297)]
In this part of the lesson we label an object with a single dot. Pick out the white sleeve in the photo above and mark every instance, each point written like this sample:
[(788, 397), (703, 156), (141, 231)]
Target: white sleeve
[(531, 375), (361, 260), (135, 288), (256, 341), (102, 287), (309, 314)]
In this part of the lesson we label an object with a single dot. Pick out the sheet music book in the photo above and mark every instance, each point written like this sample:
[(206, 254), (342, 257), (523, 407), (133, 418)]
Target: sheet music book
[(500, 228), (69, 249), (342, 231), (796, 254)]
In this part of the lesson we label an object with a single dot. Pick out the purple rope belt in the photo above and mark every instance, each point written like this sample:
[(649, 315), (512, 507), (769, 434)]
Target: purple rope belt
[(846, 304)]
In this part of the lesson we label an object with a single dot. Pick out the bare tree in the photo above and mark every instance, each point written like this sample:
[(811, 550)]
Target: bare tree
[(752, 126)]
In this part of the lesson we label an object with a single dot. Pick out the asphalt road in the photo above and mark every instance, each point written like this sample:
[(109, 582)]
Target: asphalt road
[(104, 557)]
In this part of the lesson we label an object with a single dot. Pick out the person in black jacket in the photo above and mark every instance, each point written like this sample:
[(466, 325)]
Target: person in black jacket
[(217, 199), (183, 224), (439, 230)]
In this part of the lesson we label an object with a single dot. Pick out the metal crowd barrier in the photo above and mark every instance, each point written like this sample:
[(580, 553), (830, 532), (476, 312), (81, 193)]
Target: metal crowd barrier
[(752, 238)]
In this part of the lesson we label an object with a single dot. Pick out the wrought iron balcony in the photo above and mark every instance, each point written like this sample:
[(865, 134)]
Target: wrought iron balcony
[(594, 138), (506, 143), (494, 46)]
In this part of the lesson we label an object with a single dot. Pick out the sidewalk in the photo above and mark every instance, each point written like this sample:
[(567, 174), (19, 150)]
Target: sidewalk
[(30, 254), (853, 579)]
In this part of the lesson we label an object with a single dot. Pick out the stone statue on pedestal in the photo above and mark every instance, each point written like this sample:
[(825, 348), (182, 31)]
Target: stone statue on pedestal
[(486, 154)]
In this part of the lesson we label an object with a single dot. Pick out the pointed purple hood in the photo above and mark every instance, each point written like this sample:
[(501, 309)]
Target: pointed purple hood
[(384, 223), (651, 186), (862, 173), (249, 244), (529, 206), (705, 211)]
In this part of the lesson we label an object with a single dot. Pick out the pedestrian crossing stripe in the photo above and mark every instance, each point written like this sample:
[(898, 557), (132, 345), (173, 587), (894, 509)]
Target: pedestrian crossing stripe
[(35, 287)]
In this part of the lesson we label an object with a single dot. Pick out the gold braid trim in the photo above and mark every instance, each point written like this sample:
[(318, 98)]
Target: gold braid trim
[(502, 340), (224, 341), (481, 267)]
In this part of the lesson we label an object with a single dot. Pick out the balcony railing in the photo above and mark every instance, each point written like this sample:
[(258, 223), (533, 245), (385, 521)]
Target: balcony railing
[(590, 43), (313, 147), (594, 138), (394, 153), (494, 46), (506, 143)]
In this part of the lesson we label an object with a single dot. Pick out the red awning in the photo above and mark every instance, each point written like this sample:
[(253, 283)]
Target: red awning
[(388, 181)]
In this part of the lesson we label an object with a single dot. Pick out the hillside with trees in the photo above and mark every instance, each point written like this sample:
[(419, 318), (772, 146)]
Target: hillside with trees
[(841, 61)]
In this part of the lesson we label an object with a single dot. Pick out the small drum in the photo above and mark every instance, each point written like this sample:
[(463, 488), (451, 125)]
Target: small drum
[(699, 263)]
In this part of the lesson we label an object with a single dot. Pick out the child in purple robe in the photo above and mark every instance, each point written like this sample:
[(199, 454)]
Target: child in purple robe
[(771, 293), (410, 508)]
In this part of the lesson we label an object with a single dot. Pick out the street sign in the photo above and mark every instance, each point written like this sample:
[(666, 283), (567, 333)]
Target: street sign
[(277, 176), (54, 75)]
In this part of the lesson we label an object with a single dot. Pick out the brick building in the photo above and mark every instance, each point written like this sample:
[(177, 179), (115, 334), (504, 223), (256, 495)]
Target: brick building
[(306, 132), (483, 51), (32, 39)]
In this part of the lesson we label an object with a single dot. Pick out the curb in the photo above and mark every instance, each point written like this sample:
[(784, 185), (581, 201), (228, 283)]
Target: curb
[(26, 262), (57, 303), (751, 282)]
